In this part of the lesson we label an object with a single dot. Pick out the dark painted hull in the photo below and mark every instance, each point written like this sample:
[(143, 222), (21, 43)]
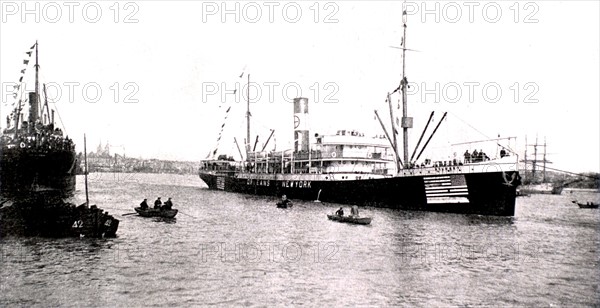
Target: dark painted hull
[(48, 216), (25, 171), (485, 193)]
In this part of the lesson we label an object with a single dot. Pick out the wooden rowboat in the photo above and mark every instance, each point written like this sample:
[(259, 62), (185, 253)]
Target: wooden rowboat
[(589, 205), (156, 213), (282, 205), (350, 219)]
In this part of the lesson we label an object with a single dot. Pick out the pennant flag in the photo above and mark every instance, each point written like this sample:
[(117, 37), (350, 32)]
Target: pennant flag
[(243, 71), (25, 62), (221, 132), (17, 87), (23, 71), (21, 79), (29, 53), (32, 47)]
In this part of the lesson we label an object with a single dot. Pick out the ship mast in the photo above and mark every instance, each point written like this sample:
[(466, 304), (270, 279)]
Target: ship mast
[(406, 121), (87, 200), (248, 117), (37, 83)]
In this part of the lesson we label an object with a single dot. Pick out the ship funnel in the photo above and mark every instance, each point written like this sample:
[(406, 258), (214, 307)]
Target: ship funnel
[(33, 108), (301, 141)]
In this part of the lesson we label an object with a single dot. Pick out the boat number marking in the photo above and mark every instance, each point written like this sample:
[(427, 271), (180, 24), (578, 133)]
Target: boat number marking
[(296, 122), (107, 223), (78, 224)]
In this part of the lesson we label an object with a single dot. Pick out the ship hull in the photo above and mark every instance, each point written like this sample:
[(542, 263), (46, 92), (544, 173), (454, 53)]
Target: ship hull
[(486, 193), (43, 214), (25, 171)]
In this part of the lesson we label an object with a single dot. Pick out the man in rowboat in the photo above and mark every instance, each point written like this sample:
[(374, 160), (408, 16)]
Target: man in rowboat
[(144, 204), (340, 212), (354, 210), (157, 204), (284, 201), (168, 205)]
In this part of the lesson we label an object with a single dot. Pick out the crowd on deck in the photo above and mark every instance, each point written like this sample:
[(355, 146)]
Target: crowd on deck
[(475, 156), (44, 137)]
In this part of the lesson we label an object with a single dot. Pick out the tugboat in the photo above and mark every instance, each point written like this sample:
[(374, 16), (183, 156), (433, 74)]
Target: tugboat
[(351, 168), (37, 175)]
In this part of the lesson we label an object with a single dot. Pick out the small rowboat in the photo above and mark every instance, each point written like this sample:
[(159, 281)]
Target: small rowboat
[(589, 205), (282, 205), (350, 219), (156, 213)]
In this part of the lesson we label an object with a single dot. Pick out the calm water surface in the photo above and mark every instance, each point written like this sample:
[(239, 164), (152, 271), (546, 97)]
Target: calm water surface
[(231, 249)]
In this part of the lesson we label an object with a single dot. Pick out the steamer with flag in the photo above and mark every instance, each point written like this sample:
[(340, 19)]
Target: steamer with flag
[(350, 168), (35, 155)]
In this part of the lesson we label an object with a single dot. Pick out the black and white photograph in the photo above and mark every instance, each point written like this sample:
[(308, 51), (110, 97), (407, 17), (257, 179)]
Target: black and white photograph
[(299, 153)]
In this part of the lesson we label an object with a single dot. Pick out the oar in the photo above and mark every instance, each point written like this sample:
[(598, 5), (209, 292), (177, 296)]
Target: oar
[(187, 215), (127, 214)]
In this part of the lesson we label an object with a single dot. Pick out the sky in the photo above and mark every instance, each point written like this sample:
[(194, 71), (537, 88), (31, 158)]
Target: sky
[(155, 79)]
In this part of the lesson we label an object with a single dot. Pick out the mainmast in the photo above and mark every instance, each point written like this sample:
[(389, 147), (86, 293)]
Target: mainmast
[(406, 121), (248, 117), (37, 72)]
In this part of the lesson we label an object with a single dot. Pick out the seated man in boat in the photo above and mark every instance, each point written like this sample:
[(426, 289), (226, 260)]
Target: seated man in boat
[(354, 211), (340, 212), (157, 204), (284, 201), (168, 205), (144, 204)]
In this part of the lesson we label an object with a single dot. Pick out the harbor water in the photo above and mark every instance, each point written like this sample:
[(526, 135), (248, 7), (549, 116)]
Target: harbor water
[(232, 249)]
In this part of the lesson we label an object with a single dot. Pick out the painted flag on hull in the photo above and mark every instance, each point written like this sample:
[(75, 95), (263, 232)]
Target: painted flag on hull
[(451, 188)]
